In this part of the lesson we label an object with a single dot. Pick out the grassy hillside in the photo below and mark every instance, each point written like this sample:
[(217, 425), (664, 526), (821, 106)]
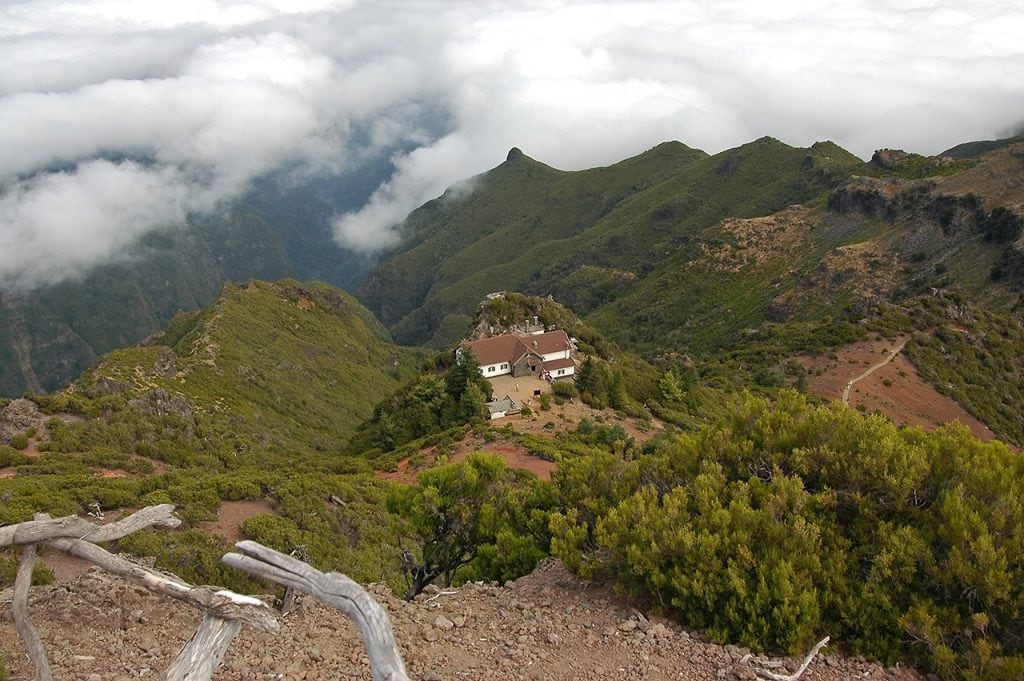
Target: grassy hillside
[(51, 334), (250, 399), (289, 365), (586, 234)]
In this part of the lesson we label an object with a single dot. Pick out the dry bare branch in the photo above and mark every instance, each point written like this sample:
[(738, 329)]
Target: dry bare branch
[(72, 526), (19, 606), (224, 604), (335, 590), (200, 657), (772, 676)]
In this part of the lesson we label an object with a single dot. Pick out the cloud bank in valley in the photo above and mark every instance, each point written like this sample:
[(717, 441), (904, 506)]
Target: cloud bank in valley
[(119, 117)]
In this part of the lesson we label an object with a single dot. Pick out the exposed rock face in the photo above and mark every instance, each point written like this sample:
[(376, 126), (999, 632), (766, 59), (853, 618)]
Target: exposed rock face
[(18, 416), (162, 403)]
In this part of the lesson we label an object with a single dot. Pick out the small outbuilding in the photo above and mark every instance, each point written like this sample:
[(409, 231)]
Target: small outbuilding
[(506, 407)]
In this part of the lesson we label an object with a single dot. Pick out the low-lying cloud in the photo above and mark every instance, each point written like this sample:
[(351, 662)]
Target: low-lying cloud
[(119, 118)]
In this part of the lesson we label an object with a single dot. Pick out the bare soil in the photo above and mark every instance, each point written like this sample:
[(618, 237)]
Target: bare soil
[(231, 515), (543, 423), (547, 625), (895, 390)]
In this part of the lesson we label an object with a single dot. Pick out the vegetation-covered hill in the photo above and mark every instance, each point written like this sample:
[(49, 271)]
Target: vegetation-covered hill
[(584, 236), (250, 399), (730, 263), (51, 334), (273, 365)]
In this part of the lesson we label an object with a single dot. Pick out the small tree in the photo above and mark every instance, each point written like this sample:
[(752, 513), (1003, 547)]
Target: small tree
[(444, 517)]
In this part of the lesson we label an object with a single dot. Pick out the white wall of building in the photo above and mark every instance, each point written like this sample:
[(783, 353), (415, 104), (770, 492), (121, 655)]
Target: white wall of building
[(492, 370)]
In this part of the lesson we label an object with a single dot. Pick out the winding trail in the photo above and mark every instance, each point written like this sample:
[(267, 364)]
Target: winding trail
[(892, 355)]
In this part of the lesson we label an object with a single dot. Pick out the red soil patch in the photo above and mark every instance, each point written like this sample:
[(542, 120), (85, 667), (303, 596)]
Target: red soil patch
[(907, 399), (231, 515), (33, 448), (568, 416), (514, 456), (558, 419), (66, 567)]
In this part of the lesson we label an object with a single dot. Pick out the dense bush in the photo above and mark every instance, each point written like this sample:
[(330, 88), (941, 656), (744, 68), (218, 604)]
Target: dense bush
[(473, 520), (783, 522), (41, 574)]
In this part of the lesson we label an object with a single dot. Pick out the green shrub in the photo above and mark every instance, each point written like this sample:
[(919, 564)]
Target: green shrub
[(41, 575), (781, 522), (11, 457), (564, 389), (281, 534), (19, 441)]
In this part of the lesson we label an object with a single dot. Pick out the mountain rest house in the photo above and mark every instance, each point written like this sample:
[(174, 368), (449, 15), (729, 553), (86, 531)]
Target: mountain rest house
[(533, 357), (541, 355)]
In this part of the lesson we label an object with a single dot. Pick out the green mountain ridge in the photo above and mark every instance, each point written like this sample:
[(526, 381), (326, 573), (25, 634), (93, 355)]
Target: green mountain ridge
[(52, 333), (271, 366), (640, 248), (531, 228), (735, 262)]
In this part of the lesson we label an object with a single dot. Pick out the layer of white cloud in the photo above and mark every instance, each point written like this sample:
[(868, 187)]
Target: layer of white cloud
[(209, 94)]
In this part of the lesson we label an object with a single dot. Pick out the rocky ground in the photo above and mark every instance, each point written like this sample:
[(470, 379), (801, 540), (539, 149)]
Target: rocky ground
[(548, 625)]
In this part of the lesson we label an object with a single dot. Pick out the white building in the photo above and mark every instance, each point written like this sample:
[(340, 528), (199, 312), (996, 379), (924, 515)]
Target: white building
[(545, 355)]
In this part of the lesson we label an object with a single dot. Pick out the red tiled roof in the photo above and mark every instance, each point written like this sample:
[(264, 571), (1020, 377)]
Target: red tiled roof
[(559, 364), (509, 348), (496, 350), (546, 343)]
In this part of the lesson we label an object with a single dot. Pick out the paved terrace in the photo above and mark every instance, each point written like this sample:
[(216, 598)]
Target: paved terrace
[(521, 389)]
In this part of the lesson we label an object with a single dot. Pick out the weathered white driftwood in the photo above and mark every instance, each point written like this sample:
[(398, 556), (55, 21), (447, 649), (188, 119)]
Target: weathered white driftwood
[(44, 528), (335, 590), (224, 611), (19, 608), (772, 676)]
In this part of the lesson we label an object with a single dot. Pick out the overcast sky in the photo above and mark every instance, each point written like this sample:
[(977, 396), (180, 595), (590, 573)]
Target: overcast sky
[(118, 117)]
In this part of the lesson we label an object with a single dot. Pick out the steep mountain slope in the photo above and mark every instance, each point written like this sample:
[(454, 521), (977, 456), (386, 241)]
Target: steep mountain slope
[(742, 261), (582, 235), (277, 365), (280, 229)]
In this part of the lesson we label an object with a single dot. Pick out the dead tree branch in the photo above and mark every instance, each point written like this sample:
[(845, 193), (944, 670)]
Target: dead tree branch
[(45, 528), (335, 590), (225, 611), (772, 676), (224, 604), (200, 657), (19, 607)]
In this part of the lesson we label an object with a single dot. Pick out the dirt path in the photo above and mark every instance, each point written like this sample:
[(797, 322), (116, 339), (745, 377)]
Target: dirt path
[(892, 355), (896, 389)]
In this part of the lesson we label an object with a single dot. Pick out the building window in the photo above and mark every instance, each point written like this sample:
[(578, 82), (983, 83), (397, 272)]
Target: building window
[(504, 366), (490, 369)]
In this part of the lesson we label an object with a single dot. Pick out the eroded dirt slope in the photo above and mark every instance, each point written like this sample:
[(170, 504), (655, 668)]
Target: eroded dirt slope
[(896, 389)]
